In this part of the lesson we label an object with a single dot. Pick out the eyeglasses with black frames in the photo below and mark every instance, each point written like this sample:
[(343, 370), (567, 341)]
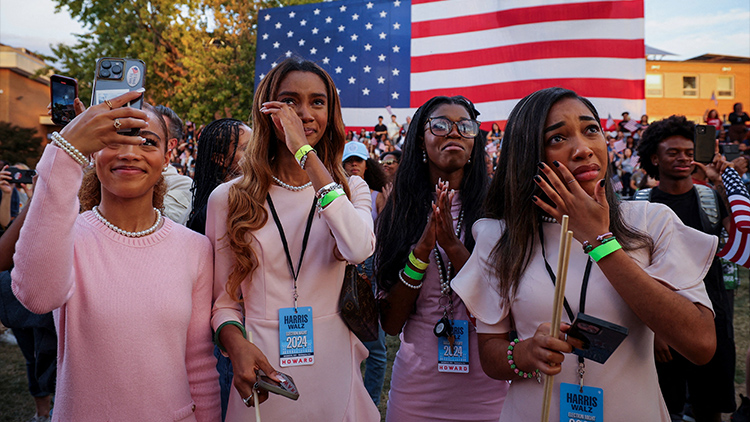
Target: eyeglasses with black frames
[(442, 126)]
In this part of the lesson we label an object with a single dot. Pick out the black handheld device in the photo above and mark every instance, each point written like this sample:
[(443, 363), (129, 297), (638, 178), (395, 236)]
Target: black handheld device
[(63, 92), (18, 175), (705, 143)]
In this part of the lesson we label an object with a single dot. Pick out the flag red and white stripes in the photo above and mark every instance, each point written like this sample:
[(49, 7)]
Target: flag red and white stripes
[(737, 248)]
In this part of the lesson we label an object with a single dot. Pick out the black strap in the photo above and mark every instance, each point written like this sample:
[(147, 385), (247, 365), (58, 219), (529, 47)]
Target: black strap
[(584, 284), (283, 237)]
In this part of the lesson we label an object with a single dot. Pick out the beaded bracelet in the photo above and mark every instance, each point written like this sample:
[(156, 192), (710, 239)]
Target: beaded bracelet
[(411, 286), (587, 247), (416, 262), (330, 196), (325, 189), (66, 146), (513, 366), (606, 248), (303, 160), (302, 151), (414, 275)]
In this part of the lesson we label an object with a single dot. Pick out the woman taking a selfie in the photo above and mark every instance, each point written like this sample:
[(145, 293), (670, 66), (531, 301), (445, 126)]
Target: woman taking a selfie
[(282, 234), (130, 289), (555, 163), (422, 241)]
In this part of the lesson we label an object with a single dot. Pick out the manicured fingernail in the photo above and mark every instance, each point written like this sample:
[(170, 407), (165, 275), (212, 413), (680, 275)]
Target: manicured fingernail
[(537, 179), (540, 165), (140, 90), (556, 163), (534, 198), (601, 183)]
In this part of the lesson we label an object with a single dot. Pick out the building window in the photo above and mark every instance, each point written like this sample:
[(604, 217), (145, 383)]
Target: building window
[(654, 85), (689, 86), (725, 87)]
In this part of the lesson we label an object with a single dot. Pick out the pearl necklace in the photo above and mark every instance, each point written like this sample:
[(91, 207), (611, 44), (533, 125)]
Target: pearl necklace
[(445, 279), (290, 187), (127, 233)]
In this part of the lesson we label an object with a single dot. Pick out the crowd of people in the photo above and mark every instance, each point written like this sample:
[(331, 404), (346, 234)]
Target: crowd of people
[(184, 268)]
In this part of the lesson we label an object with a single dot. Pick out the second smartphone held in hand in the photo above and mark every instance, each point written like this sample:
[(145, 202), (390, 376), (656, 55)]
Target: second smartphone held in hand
[(63, 92)]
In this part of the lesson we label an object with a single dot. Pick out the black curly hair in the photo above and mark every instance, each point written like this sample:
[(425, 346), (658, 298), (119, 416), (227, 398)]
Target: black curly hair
[(657, 132)]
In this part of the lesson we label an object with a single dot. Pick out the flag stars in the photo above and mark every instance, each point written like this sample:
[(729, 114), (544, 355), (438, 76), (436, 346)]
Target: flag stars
[(341, 28), (397, 3), (352, 80), (276, 44), (383, 14), (365, 91), (339, 49), (302, 22), (338, 69), (273, 64), (381, 35), (292, 14), (327, 40), (396, 25), (329, 19), (262, 75), (263, 56), (316, 12), (288, 53), (367, 69), (354, 37), (352, 58), (301, 42), (355, 17), (326, 60), (381, 80), (290, 34), (278, 25), (394, 95), (381, 58), (396, 49), (265, 37), (395, 71), (338, 91), (369, 5), (315, 31), (368, 47), (267, 18), (368, 25), (313, 50), (342, 8)]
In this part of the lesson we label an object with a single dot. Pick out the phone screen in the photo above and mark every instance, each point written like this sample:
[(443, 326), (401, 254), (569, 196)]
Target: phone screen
[(63, 96)]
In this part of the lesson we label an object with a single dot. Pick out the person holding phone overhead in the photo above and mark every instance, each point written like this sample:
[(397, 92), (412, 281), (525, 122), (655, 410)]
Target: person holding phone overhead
[(423, 240), (130, 289), (555, 163), (282, 235)]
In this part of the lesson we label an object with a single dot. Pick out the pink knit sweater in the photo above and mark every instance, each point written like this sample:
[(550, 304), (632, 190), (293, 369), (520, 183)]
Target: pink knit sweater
[(132, 314)]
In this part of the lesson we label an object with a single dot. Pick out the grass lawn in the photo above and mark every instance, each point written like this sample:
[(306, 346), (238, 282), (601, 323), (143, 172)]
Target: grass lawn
[(16, 405)]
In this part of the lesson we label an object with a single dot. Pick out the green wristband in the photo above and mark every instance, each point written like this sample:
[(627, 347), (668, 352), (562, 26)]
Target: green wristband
[(218, 330), (604, 249), (304, 149), (416, 262), (330, 196), (414, 275)]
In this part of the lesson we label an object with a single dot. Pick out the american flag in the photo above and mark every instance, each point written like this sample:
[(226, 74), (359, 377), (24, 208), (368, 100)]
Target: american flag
[(400, 53), (737, 248)]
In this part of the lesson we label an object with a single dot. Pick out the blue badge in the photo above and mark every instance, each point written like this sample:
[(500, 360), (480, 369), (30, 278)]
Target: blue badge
[(296, 336), (581, 406), (455, 359)]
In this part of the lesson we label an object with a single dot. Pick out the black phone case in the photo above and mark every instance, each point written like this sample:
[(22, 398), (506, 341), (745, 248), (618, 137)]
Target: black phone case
[(63, 108), (600, 337), (705, 143), (116, 76), (20, 175)]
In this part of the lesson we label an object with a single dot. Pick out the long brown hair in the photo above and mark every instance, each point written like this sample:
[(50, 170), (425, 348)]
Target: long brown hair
[(246, 211), (512, 188)]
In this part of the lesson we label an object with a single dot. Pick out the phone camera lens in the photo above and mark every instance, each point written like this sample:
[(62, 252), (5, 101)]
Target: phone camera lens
[(106, 64), (116, 68), (701, 130), (104, 73)]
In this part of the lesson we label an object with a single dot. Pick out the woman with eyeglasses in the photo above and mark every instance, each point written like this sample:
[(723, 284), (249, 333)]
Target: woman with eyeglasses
[(436, 198), (390, 161), (633, 264)]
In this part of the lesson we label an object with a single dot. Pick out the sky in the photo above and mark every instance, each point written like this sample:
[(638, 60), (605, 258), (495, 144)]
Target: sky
[(684, 28)]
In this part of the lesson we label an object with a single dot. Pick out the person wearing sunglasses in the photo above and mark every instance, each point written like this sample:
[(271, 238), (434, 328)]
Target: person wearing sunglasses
[(437, 196), (390, 160)]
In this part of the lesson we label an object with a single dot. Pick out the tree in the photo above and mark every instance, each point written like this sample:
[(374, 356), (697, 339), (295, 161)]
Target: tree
[(19, 145), (199, 54)]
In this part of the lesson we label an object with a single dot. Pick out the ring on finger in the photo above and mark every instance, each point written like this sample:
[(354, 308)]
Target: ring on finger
[(117, 124), (248, 400), (109, 104), (571, 181)]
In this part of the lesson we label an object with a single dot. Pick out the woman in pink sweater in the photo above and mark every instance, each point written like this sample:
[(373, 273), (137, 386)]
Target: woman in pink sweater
[(130, 289)]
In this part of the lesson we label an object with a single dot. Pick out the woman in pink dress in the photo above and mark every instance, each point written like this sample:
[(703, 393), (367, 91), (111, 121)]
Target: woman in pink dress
[(282, 235), (633, 264), (129, 289), (423, 240)]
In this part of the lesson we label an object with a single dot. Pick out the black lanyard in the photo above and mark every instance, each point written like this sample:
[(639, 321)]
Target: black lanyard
[(584, 284), (286, 244)]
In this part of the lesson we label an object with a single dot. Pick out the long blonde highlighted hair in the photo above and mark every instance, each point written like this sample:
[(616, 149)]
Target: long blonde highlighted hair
[(246, 211)]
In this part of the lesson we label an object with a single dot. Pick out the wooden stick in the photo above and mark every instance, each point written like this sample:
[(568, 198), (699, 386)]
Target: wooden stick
[(256, 403), (566, 238)]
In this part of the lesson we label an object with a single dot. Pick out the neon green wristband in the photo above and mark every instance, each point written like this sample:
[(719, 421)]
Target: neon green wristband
[(604, 249), (416, 262), (304, 149), (330, 196), (414, 275), (218, 330)]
